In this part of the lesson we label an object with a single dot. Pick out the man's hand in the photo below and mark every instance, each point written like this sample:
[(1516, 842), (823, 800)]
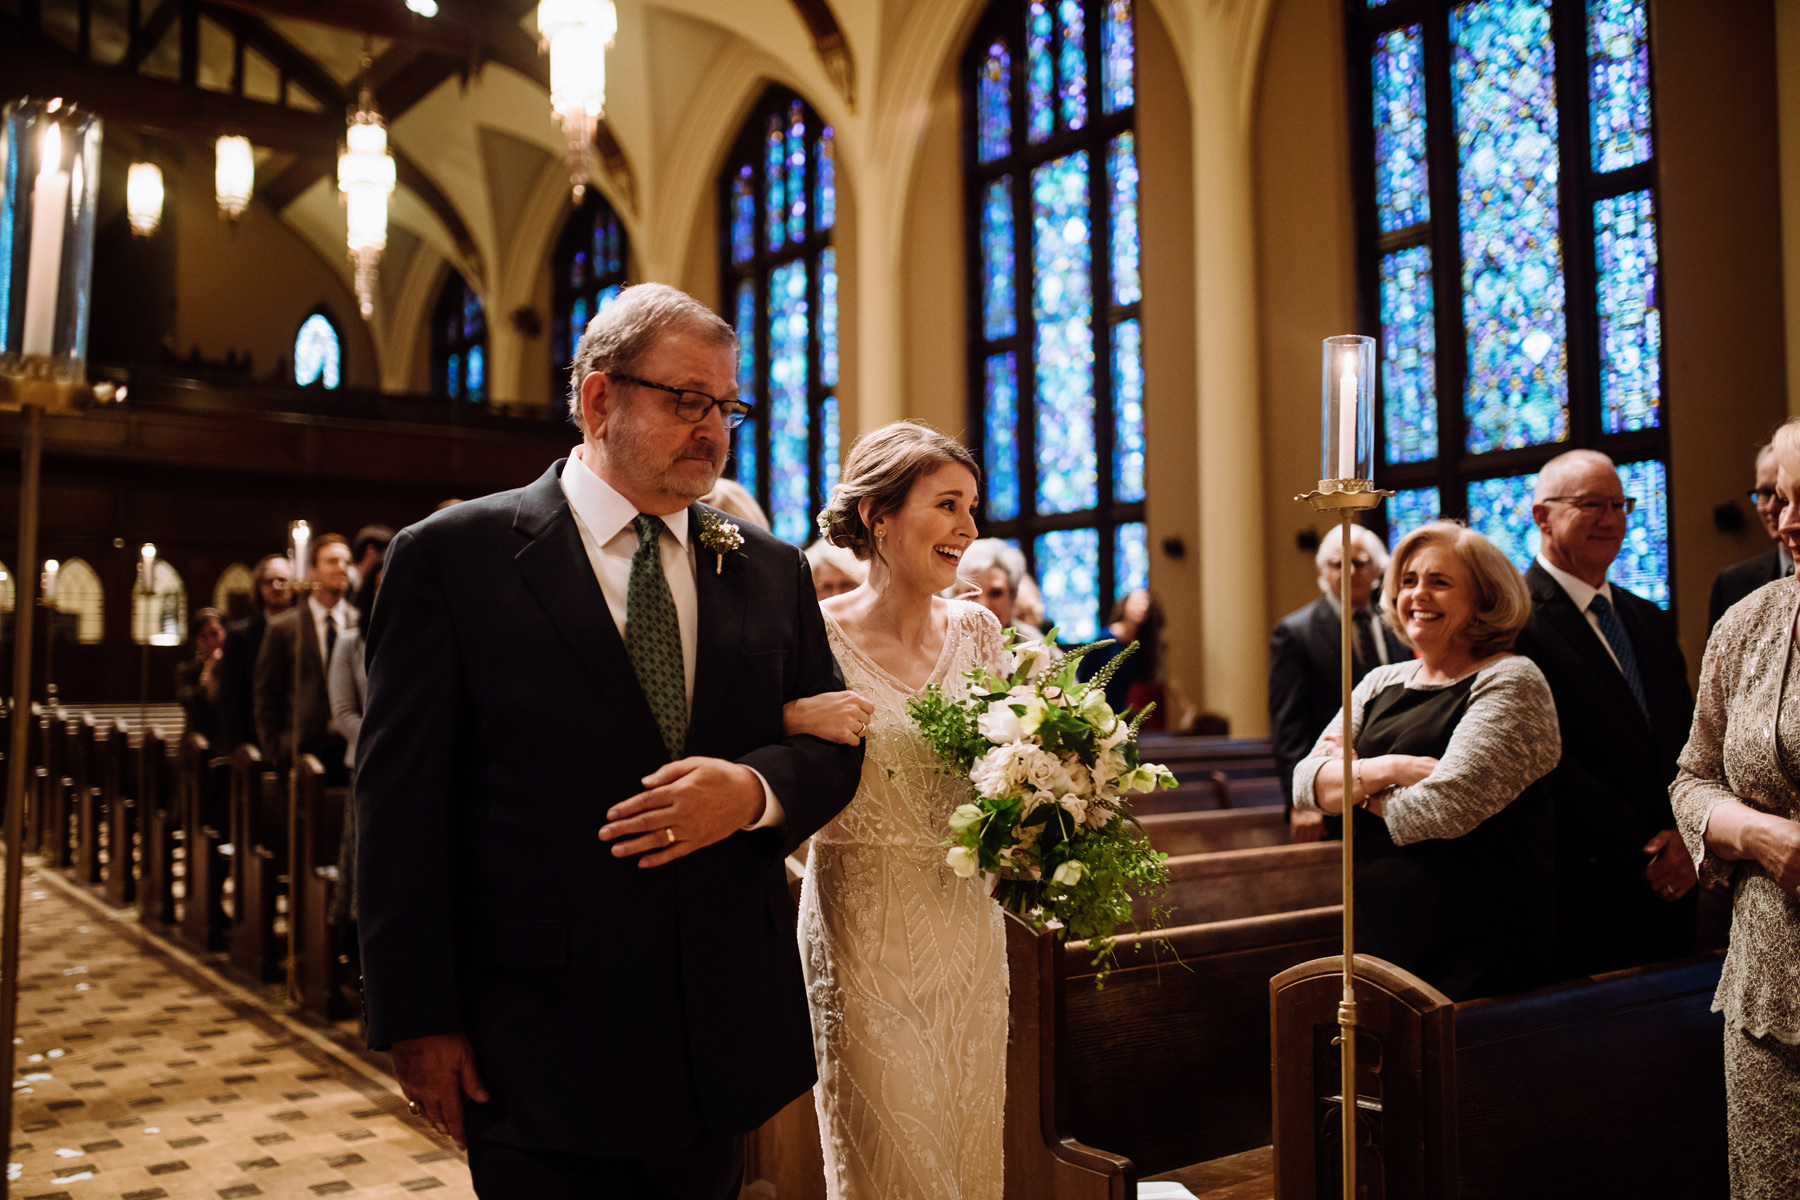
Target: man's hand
[(1670, 873), (435, 1074), (685, 806)]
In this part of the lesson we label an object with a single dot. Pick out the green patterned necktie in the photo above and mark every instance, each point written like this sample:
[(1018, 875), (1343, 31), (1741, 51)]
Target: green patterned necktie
[(653, 636)]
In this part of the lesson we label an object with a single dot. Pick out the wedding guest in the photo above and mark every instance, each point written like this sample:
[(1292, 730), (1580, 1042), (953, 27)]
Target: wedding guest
[(834, 569), (316, 626), (730, 496), (347, 680), (1138, 617), (1453, 847), (1737, 805), (269, 597), (366, 551), (1741, 578), (197, 680), (996, 570)]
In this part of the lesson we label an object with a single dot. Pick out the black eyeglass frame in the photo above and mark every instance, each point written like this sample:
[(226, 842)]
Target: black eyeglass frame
[(1624, 505), (1765, 495), (734, 412)]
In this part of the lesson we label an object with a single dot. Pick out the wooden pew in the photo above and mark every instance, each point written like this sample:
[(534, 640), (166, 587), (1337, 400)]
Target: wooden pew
[(323, 954), (90, 801), (1605, 1086), (259, 838), (1240, 883), (204, 781), (1209, 831), (119, 788), (59, 845), (41, 755), (159, 819), (1197, 757)]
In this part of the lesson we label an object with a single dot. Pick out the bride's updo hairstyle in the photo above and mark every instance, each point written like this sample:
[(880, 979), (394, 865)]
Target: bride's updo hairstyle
[(883, 466)]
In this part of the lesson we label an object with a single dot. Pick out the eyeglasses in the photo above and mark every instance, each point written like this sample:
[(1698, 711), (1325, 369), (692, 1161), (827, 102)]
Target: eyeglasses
[(1767, 496), (1596, 504), (1359, 563), (692, 406)]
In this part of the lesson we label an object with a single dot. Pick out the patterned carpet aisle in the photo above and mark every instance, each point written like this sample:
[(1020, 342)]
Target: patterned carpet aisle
[(141, 1077)]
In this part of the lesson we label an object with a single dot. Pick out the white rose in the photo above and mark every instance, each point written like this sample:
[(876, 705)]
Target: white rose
[(996, 772), (1042, 769), (1109, 765), (1075, 806), (1119, 731), (964, 817), (963, 861), (1033, 800), (1000, 724), (1069, 874)]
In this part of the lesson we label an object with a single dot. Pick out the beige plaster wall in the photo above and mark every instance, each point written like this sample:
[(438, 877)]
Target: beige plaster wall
[(1787, 58), (934, 313)]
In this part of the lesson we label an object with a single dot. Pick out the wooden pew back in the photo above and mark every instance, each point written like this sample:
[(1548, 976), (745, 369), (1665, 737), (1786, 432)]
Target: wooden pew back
[(1208, 832), (1229, 884)]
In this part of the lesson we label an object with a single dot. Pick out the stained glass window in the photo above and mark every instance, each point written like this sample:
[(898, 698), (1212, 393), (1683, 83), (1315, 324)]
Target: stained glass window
[(778, 202), (458, 359), (317, 352), (1409, 509), (591, 260), (1643, 561), (159, 616), (1056, 373), (1543, 331)]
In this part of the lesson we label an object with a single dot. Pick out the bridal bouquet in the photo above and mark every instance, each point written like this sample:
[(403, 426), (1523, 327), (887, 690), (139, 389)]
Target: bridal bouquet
[(1049, 766)]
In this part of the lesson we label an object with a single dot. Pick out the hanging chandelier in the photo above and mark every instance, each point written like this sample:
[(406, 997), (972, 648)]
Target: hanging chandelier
[(144, 198), (577, 33), (365, 179), (234, 175)]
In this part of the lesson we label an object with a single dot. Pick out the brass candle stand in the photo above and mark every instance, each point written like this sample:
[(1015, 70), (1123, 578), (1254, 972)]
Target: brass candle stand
[(1346, 497), (301, 589)]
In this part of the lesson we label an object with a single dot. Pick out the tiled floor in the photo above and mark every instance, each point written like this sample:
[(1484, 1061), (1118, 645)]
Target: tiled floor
[(142, 1078)]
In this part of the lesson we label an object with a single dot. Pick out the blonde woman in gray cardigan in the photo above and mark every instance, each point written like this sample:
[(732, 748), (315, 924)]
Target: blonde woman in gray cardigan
[(1737, 804)]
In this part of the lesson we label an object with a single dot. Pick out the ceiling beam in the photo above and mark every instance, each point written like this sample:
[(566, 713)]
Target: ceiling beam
[(297, 65), (450, 32)]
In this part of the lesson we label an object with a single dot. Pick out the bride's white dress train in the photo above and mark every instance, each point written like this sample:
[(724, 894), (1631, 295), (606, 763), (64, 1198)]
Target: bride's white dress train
[(905, 962)]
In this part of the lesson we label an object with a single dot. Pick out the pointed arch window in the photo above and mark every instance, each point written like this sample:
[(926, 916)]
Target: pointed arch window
[(318, 352), (1508, 230), (1056, 375), (777, 207), (588, 270), (459, 343), (232, 591), (159, 616), (78, 608)]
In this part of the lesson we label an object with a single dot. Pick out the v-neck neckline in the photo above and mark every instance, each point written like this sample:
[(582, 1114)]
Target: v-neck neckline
[(893, 680)]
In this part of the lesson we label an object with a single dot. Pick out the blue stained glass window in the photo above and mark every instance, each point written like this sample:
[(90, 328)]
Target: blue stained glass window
[(316, 352), (477, 375), (1068, 562), (788, 328), (1131, 558), (1063, 306), (453, 376), (1504, 91), (1040, 72), (743, 217), (1117, 73), (1409, 509), (775, 177), (796, 169), (471, 315), (578, 322), (999, 317), (826, 204), (1618, 46), (1643, 561), (1402, 195), (828, 317), (594, 237), (609, 256), (1072, 64), (1408, 356), (1625, 263), (1122, 176), (1500, 509), (829, 445), (1001, 470), (993, 103), (1128, 411), (606, 296), (578, 269), (745, 320)]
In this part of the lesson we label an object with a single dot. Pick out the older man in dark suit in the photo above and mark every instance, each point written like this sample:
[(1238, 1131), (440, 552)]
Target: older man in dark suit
[(1747, 575), (1624, 880), (575, 796), (269, 598)]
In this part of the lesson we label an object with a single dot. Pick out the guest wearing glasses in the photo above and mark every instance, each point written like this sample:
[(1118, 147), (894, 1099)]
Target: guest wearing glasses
[(1741, 578), (1624, 879)]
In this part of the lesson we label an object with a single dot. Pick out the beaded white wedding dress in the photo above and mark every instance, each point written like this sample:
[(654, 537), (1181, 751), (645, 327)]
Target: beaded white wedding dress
[(905, 962)]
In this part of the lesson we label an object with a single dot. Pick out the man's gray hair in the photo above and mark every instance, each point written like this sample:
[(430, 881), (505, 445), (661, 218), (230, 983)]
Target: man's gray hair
[(624, 331), (986, 553), (1360, 539), (1551, 480)]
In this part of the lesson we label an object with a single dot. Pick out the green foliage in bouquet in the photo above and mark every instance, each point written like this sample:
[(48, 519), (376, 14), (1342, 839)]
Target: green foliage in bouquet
[(1050, 766)]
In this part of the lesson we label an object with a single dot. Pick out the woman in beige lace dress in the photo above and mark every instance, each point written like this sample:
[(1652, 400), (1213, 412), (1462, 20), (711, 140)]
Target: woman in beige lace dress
[(1737, 803), (905, 962)]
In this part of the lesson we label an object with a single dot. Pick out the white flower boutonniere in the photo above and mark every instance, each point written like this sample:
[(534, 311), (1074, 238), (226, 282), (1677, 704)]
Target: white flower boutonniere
[(721, 537)]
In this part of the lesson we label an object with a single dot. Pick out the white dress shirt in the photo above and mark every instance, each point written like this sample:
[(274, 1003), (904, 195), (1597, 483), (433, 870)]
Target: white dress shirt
[(1583, 594), (605, 520), (341, 612)]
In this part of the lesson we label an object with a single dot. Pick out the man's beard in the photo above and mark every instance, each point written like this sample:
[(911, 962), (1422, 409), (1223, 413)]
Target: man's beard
[(682, 476)]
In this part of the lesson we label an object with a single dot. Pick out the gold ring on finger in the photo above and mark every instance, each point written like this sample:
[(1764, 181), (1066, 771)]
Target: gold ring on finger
[(669, 832)]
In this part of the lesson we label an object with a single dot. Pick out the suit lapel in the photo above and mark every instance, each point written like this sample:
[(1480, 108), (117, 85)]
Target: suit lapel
[(555, 567), (1571, 625), (719, 583)]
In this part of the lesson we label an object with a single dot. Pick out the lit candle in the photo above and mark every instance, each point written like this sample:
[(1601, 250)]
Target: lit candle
[(1347, 421), (147, 567), (49, 204), (299, 534), (50, 569)]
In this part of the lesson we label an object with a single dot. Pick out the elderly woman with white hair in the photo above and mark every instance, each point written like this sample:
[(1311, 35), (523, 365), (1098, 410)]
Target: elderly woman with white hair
[(1305, 684), (834, 569), (997, 572)]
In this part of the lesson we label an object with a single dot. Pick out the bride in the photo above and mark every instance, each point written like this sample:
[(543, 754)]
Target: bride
[(905, 962)]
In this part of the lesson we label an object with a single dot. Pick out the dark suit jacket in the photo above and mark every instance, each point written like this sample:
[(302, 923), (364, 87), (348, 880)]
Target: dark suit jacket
[(613, 1010), (1739, 580), (1305, 687), (275, 694), (237, 682), (1611, 789)]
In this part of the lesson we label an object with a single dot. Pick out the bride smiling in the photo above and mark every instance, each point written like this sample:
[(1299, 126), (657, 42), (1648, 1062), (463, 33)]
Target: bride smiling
[(905, 962)]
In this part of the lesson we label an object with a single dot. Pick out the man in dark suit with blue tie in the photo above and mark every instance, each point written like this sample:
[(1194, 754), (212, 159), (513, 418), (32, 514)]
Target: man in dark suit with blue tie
[(1624, 880), (575, 798)]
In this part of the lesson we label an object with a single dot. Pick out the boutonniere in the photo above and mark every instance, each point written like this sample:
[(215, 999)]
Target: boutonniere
[(720, 536)]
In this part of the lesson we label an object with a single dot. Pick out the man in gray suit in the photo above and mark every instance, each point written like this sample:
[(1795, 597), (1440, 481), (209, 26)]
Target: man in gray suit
[(316, 624)]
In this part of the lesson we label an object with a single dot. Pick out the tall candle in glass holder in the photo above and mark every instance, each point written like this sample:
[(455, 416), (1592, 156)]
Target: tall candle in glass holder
[(1347, 409), (49, 206), (299, 534), (48, 583), (147, 567)]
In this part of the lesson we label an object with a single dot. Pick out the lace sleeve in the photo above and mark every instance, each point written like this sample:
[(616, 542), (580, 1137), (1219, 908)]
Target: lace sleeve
[(985, 636)]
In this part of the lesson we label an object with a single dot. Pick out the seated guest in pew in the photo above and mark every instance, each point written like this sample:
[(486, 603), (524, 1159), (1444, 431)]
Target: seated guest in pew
[(1453, 842), (197, 679), (1737, 804), (834, 570), (1743, 577), (243, 640), (1305, 660), (1138, 617)]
